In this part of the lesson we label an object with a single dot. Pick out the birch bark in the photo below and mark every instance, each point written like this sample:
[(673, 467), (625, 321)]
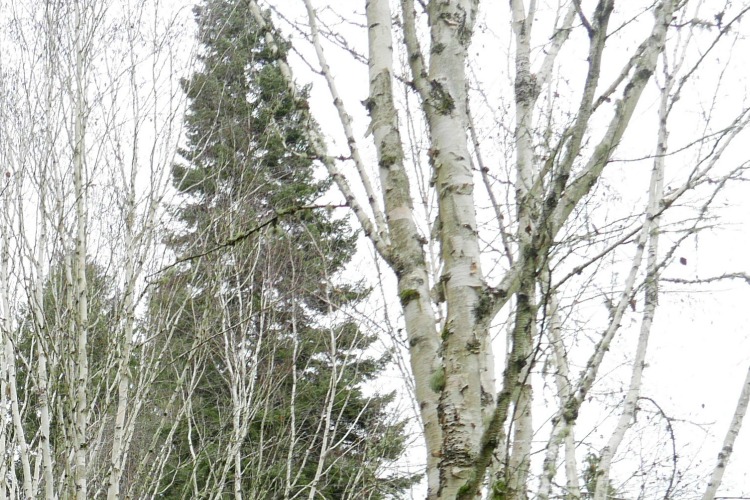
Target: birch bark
[(124, 344), (38, 307), (42, 376), (464, 400), (408, 258), (79, 287)]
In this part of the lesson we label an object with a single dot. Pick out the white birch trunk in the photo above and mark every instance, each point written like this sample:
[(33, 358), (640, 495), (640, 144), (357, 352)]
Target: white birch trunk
[(10, 393), (42, 381), (520, 358), (292, 411), (467, 396), (728, 446), (6, 222), (38, 305), (327, 419), (563, 429), (79, 285), (651, 292), (242, 375), (124, 346), (408, 259)]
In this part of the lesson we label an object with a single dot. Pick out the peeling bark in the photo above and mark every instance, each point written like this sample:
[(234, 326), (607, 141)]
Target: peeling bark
[(408, 260)]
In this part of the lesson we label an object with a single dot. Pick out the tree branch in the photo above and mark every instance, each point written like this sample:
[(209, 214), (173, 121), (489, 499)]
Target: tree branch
[(243, 236)]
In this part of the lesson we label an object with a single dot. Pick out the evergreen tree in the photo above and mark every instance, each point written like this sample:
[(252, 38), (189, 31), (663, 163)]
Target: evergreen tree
[(260, 303)]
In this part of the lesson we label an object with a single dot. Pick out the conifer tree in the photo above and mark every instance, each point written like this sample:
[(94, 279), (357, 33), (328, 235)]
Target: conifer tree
[(278, 409)]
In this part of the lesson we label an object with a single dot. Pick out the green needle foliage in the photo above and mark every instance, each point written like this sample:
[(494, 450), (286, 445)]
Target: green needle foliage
[(260, 324)]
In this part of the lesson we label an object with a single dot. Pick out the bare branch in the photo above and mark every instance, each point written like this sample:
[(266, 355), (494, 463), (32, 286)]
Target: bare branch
[(234, 240), (346, 123), (373, 230), (582, 17)]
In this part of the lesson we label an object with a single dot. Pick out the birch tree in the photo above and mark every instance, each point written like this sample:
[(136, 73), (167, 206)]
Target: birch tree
[(496, 213)]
